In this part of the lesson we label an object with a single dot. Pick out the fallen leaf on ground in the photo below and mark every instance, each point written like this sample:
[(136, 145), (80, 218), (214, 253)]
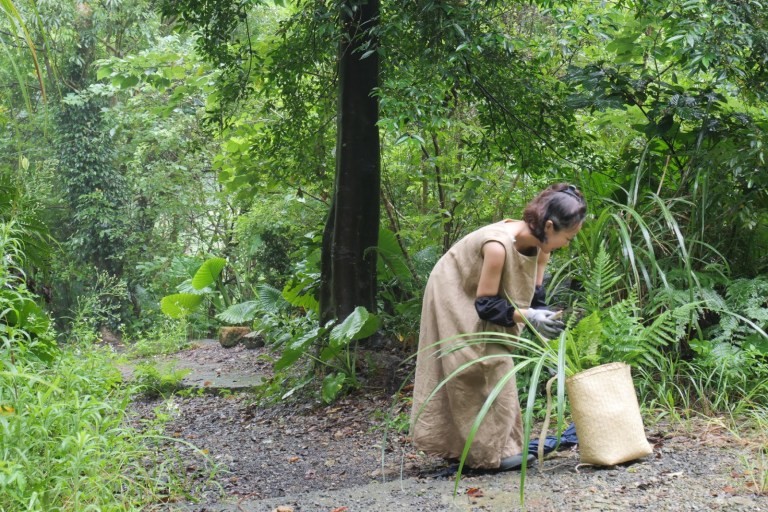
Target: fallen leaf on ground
[(294, 459), (283, 508), (475, 492), (340, 509)]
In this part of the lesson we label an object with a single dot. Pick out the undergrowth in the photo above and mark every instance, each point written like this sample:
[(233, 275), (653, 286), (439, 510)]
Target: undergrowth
[(66, 443)]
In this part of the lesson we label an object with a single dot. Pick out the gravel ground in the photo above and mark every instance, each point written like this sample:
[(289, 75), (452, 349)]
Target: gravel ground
[(314, 457)]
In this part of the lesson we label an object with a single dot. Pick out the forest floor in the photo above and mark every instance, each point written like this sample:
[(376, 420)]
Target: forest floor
[(349, 456)]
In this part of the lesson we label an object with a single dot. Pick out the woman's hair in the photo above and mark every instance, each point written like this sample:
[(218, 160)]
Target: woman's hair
[(561, 203)]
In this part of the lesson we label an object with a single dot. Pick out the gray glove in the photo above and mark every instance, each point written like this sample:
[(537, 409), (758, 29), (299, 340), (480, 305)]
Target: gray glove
[(545, 322)]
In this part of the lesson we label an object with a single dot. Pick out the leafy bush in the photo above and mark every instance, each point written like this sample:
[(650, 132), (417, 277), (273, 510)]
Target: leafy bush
[(733, 382), (25, 329), (204, 285), (272, 257), (158, 381), (614, 329), (749, 299), (65, 443), (98, 306), (167, 337)]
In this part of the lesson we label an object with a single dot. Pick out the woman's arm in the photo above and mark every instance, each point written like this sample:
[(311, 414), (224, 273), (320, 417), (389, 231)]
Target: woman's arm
[(494, 256), (541, 267), (489, 284)]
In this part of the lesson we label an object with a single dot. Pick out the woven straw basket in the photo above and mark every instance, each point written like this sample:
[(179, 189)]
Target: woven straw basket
[(607, 416)]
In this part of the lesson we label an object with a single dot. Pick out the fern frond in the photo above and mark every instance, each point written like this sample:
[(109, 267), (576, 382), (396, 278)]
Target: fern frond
[(601, 281), (662, 331)]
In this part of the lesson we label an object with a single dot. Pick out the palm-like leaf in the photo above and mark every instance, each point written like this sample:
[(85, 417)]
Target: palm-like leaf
[(391, 257), (241, 313), (270, 300)]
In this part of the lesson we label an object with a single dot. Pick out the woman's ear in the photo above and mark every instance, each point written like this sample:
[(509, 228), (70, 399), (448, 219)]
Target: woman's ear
[(549, 226)]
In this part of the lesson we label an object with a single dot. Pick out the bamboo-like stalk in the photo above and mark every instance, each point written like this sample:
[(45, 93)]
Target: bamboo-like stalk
[(13, 15)]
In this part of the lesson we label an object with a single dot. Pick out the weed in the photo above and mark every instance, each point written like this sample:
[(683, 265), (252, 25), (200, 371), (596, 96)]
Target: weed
[(169, 337), (154, 380), (66, 444), (99, 306), (397, 418), (756, 471)]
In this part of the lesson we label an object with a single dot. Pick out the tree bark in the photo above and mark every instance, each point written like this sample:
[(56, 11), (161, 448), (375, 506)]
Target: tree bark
[(348, 273)]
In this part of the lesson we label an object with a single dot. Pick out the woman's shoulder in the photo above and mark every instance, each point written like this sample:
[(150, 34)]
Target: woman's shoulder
[(506, 229)]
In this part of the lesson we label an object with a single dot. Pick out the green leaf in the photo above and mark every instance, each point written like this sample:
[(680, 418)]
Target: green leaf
[(174, 72), (103, 72), (296, 349), (270, 299), (180, 305), (758, 344), (24, 313), (391, 256), (208, 272), (129, 81), (239, 313), (297, 295), (330, 352), (358, 325), (332, 384)]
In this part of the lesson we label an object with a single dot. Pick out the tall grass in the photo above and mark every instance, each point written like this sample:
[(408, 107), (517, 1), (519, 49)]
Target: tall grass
[(689, 388), (65, 442)]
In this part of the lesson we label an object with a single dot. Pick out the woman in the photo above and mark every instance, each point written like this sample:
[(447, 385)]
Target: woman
[(485, 283)]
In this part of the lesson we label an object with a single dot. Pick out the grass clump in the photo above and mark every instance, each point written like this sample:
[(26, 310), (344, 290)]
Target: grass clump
[(66, 443), (168, 337)]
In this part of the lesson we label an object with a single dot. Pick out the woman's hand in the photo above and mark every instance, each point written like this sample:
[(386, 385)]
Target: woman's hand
[(545, 322)]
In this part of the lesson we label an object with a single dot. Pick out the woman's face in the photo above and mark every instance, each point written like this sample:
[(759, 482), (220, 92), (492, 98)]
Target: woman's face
[(558, 239)]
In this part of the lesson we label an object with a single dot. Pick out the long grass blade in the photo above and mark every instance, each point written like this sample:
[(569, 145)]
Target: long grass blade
[(15, 18)]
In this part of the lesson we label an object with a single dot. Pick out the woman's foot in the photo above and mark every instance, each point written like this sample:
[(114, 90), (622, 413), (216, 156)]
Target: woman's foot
[(514, 462)]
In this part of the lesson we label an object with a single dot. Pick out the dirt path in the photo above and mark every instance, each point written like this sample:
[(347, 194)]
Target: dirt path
[(312, 457)]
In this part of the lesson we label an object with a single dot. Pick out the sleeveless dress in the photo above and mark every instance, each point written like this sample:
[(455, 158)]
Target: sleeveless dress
[(442, 425)]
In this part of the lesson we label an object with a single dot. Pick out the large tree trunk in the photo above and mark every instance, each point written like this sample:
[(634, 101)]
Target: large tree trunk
[(351, 232)]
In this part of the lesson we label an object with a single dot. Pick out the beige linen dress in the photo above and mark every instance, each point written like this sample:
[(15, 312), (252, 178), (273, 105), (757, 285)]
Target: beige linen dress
[(442, 426)]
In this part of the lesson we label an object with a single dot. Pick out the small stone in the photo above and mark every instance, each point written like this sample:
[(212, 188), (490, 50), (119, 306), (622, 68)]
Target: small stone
[(253, 339), (231, 336)]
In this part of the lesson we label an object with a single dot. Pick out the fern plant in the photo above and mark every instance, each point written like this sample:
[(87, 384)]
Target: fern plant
[(748, 297), (616, 330), (600, 286)]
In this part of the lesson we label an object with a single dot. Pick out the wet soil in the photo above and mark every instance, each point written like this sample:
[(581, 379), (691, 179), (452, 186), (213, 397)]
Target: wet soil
[(349, 456)]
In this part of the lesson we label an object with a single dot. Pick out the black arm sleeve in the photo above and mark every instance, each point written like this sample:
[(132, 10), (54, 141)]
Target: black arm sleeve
[(496, 310)]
